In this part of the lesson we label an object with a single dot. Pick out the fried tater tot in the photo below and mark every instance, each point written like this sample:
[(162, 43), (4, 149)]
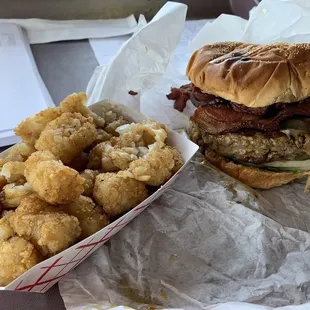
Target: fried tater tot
[(132, 135), (111, 127), (30, 128), (108, 158), (110, 112), (91, 217), (120, 158), (154, 169), (142, 134), (39, 156), (50, 230), (67, 136), (16, 256), (19, 152), (77, 103), (12, 195), (33, 204), (177, 157), (94, 222), (6, 231), (116, 194), (54, 182), (102, 136), (89, 181), (96, 155), (13, 171)]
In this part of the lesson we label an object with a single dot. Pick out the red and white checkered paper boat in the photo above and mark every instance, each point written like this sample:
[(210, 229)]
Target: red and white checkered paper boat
[(44, 275)]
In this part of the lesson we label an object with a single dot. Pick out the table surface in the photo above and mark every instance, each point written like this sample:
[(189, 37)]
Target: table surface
[(65, 67)]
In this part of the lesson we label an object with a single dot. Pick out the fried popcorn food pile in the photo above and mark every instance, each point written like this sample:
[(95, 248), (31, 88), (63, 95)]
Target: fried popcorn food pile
[(73, 173)]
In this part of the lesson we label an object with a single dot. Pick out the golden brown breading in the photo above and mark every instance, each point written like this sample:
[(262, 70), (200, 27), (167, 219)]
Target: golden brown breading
[(33, 204), (54, 182), (91, 217), (6, 231), (109, 158), (118, 195), (134, 135), (109, 112), (154, 169), (81, 208), (89, 181), (120, 158), (142, 134), (77, 103), (16, 256), (111, 127), (39, 156), (18, 152), (30, 128), (13, 171), (102, 136), (96, 154), (79, 163), (177, 157), (50, 230), (67, 136), (12, 195), (97, 220)]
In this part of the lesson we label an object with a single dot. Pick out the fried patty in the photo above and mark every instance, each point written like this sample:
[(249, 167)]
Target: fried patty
[(256, 147)]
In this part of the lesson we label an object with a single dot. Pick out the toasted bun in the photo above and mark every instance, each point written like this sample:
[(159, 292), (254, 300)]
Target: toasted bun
[(253, 177), (252, 74)]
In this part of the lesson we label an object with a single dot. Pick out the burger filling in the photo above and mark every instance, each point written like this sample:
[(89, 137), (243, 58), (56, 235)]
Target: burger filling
[(274, 137)]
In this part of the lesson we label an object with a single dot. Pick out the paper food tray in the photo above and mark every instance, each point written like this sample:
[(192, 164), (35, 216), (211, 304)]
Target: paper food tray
[(43, 276)]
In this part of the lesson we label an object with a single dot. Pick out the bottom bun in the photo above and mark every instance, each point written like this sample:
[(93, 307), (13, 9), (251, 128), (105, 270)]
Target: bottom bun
[(254, 177)]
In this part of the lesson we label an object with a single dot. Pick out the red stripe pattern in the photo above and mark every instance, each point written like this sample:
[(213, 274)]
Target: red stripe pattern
[(58, 266)]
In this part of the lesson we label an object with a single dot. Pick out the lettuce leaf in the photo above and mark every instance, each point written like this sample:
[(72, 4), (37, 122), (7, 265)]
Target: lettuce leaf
[(290, 165)]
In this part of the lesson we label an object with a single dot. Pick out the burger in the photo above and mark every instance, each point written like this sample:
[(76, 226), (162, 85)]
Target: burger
[(252, 116)]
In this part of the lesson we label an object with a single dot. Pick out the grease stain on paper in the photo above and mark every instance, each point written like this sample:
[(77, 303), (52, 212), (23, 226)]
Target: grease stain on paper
[(231, 188), (172, 258), (132, 293), (163, 294)]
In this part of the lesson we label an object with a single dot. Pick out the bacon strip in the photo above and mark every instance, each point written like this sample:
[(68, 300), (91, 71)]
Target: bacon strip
[(220, 119), (181, 96), (216, 115)]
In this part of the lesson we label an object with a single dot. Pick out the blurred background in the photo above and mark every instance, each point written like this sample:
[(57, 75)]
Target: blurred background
[(104, 9), (60, 63)]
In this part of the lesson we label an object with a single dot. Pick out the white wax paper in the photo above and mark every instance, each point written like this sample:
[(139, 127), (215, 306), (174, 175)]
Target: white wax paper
[(45, 31), (105, 48), (209, 242)]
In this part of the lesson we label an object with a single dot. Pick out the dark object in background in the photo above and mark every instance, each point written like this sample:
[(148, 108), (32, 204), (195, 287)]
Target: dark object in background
[(104, 9), (132, 93), (242, 7)]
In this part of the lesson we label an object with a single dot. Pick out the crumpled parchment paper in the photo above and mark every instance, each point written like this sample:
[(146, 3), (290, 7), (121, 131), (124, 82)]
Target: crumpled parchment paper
[(208, 242)]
